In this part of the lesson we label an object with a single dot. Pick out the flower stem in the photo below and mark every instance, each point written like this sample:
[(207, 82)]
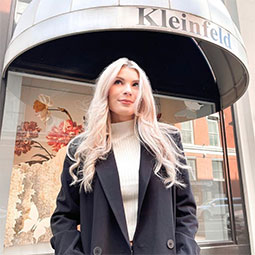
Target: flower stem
[(43, 148), (62, 110)]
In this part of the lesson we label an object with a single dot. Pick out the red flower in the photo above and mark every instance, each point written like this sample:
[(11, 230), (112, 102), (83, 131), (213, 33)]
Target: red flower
[(61, 135), (26, 131)]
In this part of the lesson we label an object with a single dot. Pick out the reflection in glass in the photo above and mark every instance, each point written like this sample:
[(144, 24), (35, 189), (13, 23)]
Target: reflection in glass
[(187, 132), (175, 110), (193, 171), (217, 166), (213, 132), (205, 156), (238, 206)]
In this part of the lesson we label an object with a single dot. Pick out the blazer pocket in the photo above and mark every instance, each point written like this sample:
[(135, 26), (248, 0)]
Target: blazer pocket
[(186, 245), (67, 243)]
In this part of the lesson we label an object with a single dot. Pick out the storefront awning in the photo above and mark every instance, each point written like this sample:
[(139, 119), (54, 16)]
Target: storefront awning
[(189, 49)]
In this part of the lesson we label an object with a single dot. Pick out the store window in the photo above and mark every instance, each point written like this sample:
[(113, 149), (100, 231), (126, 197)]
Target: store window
[(240, 224), (205, 156), (43, 114), (187, 132)]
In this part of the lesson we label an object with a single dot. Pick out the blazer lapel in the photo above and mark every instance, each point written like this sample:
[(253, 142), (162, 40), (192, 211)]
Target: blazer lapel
[(108, 175), (145, 171), (109, 178)]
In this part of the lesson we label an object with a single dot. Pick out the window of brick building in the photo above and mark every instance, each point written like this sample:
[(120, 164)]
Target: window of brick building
[(193, 171), (217, 167), (187, 132), (213, 131)]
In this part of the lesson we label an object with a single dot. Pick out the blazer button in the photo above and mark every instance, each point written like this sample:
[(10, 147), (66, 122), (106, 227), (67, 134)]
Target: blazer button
[(170, 244), (97, 251)]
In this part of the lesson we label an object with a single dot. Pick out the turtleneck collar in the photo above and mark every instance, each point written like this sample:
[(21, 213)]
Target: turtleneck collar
[(122, 129)]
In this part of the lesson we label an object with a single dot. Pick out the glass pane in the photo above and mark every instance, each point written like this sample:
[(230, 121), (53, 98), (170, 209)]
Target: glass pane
[(187, 132), (177, 110), (217, 166), (238, 206), (187, 125), (209, 187), (211, 126), (215, 140), (186, 136), (193, 170), (42, 116), (45, 116)]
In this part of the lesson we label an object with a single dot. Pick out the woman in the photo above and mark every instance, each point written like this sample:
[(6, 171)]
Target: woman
[(125, 179)]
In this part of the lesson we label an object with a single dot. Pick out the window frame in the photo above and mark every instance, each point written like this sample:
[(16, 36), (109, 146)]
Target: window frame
[(232, 246)]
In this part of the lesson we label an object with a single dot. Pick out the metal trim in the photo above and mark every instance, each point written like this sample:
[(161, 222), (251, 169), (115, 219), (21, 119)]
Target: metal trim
[(227, 175), (2, 100), (240, 168)]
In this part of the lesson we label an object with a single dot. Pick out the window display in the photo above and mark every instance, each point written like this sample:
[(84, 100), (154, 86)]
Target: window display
[(50, 114), (42, 115)]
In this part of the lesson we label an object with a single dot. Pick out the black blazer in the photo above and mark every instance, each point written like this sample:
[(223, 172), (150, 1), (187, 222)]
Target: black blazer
[(166, 222)]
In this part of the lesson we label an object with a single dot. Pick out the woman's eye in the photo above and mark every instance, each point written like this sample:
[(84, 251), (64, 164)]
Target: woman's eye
[(136, 84), (118, 82)]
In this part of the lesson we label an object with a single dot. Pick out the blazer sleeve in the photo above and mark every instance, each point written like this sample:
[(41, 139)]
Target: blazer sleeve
[(66, 238), (185, 212)]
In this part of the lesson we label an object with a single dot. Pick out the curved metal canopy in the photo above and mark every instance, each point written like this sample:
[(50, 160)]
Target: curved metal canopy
[(189, 48)]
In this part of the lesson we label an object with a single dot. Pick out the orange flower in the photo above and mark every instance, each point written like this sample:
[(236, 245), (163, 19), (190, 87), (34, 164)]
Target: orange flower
[(41, 106)]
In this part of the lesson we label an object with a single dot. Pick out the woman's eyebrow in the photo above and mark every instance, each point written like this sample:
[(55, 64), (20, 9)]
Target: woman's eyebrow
[(118, 77)]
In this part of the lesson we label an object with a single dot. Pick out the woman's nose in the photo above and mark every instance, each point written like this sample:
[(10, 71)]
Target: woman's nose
[(127, 89)]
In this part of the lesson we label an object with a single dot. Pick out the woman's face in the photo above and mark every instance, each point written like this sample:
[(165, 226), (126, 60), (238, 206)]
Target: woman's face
[(122, 94)]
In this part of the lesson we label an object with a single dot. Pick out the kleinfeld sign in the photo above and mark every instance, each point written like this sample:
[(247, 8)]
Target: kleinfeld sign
[(184, 23), (109, 18)]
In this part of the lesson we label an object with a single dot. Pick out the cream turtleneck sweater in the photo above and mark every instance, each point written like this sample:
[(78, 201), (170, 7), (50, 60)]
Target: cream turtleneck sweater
[(126, 148)]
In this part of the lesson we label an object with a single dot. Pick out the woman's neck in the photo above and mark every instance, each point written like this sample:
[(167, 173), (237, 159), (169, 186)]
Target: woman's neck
[(115, 118), (123, 129)]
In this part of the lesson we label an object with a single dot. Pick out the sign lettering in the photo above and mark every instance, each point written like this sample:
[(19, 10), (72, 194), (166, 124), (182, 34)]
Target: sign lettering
[(202, 28)]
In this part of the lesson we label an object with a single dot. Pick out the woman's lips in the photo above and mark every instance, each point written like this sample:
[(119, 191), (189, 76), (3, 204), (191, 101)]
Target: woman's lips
[(126, 101)]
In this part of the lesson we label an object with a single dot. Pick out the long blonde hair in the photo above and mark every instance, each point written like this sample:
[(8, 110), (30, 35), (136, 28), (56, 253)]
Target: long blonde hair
[(155, 136)]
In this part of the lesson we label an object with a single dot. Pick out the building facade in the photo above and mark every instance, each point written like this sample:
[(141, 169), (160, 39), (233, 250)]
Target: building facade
[(41, 113)]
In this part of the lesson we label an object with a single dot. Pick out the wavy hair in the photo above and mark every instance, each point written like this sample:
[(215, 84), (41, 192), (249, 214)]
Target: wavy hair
[(155, 136)]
